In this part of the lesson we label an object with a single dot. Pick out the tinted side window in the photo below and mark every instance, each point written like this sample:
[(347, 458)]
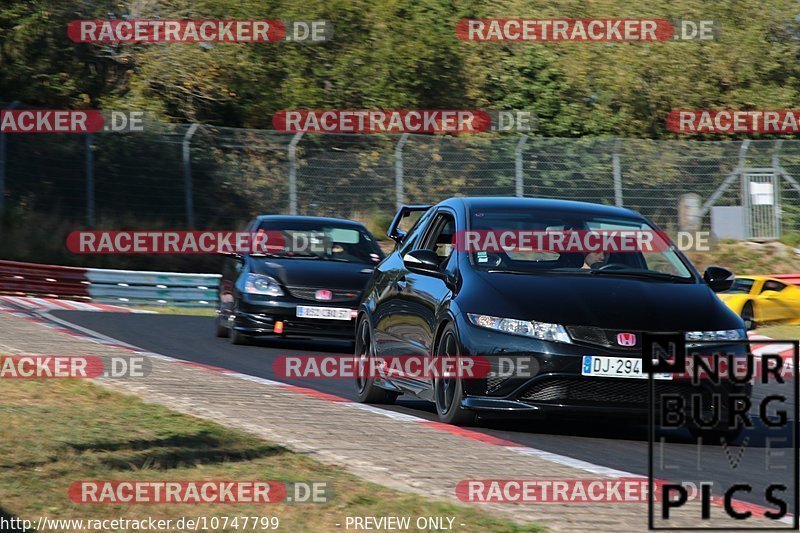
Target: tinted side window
[(771, 285), (416, 231), (741, 286), (440, 239)]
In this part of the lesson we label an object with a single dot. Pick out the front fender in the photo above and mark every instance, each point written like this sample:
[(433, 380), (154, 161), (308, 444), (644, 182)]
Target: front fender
[(445, 315), (736, 302)]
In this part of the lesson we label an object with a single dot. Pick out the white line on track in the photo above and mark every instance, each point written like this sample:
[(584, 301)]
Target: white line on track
[(385, 412), (572, 462), (256, 379)]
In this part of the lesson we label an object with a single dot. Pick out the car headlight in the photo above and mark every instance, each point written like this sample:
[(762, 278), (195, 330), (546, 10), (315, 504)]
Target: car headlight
[(262, 284), (528, 328), (719, 335)]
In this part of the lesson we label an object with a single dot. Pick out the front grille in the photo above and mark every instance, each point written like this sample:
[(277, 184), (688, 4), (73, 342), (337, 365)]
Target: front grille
[(339, 295), (611, 391), (602, 337)]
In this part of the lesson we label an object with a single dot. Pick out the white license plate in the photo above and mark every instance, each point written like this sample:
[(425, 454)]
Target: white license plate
[(328, 313), (616, 367)]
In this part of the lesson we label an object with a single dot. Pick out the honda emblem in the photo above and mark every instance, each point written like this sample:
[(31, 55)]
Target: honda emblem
[(323, 294), (626, 339)]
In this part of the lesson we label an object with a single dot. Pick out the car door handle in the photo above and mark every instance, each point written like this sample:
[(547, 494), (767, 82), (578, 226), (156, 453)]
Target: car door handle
[(401, 283)]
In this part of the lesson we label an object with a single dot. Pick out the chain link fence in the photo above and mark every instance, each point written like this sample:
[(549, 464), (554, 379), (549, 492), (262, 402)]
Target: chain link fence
[(184, 176)]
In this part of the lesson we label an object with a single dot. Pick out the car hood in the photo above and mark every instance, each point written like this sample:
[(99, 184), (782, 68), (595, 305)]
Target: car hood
[(604, 302), (314, 273)]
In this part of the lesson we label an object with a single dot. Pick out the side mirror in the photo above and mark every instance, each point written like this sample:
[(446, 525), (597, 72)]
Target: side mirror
[(718, 278), (423, 262)]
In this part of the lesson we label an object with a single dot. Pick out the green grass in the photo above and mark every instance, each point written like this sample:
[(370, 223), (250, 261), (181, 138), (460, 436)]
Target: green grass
[(55, 432), (175, 310)]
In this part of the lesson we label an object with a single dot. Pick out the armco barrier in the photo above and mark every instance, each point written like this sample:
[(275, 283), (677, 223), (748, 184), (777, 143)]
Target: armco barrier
[(129, 287), (28, 278), (121, 287)]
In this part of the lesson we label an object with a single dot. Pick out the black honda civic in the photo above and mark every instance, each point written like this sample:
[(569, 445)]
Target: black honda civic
[(576, 319), (309, 286)]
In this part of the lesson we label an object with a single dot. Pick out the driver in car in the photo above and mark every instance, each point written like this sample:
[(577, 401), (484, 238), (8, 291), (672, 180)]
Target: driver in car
[(595, 260)]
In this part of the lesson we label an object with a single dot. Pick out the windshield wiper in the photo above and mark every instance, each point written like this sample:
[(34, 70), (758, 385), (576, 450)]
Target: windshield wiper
[(585, 271), (645, 274), (284, 256), (534, 272)]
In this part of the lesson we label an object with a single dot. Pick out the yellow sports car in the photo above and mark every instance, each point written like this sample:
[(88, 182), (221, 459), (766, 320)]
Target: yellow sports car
[(761, 299)]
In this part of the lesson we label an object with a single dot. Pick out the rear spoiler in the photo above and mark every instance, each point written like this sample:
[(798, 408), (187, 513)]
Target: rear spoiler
[(394, 232), (789, 279)]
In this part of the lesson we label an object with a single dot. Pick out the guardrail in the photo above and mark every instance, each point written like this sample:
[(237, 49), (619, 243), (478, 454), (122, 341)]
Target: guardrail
[(129, 287), (120, 287)]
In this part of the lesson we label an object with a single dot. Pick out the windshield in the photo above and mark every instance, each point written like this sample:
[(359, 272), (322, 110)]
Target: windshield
[(740, 286), (329, 242), (658, 262)]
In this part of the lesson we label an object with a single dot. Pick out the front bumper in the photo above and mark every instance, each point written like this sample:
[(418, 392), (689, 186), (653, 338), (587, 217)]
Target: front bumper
[(257, 317), (553, 382)]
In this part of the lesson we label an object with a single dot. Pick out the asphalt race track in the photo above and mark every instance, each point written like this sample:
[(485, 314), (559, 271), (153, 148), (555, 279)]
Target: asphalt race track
[(616, 445)]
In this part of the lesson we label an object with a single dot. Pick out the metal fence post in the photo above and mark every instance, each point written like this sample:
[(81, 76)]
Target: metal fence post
[(293, 172), (399, 179), (776, 164), (617, 174), (90, 208), (518, 174), (729, 179), (776, 167), (187, 175), (10, 107)]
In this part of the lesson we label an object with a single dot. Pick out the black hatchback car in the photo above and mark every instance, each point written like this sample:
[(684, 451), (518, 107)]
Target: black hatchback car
[(579, 327), (309, 287)]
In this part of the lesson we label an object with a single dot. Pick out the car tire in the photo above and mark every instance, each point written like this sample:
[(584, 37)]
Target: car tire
[(238, 338), (367, 391), (448, 392), (220, 330), (749, 316)]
